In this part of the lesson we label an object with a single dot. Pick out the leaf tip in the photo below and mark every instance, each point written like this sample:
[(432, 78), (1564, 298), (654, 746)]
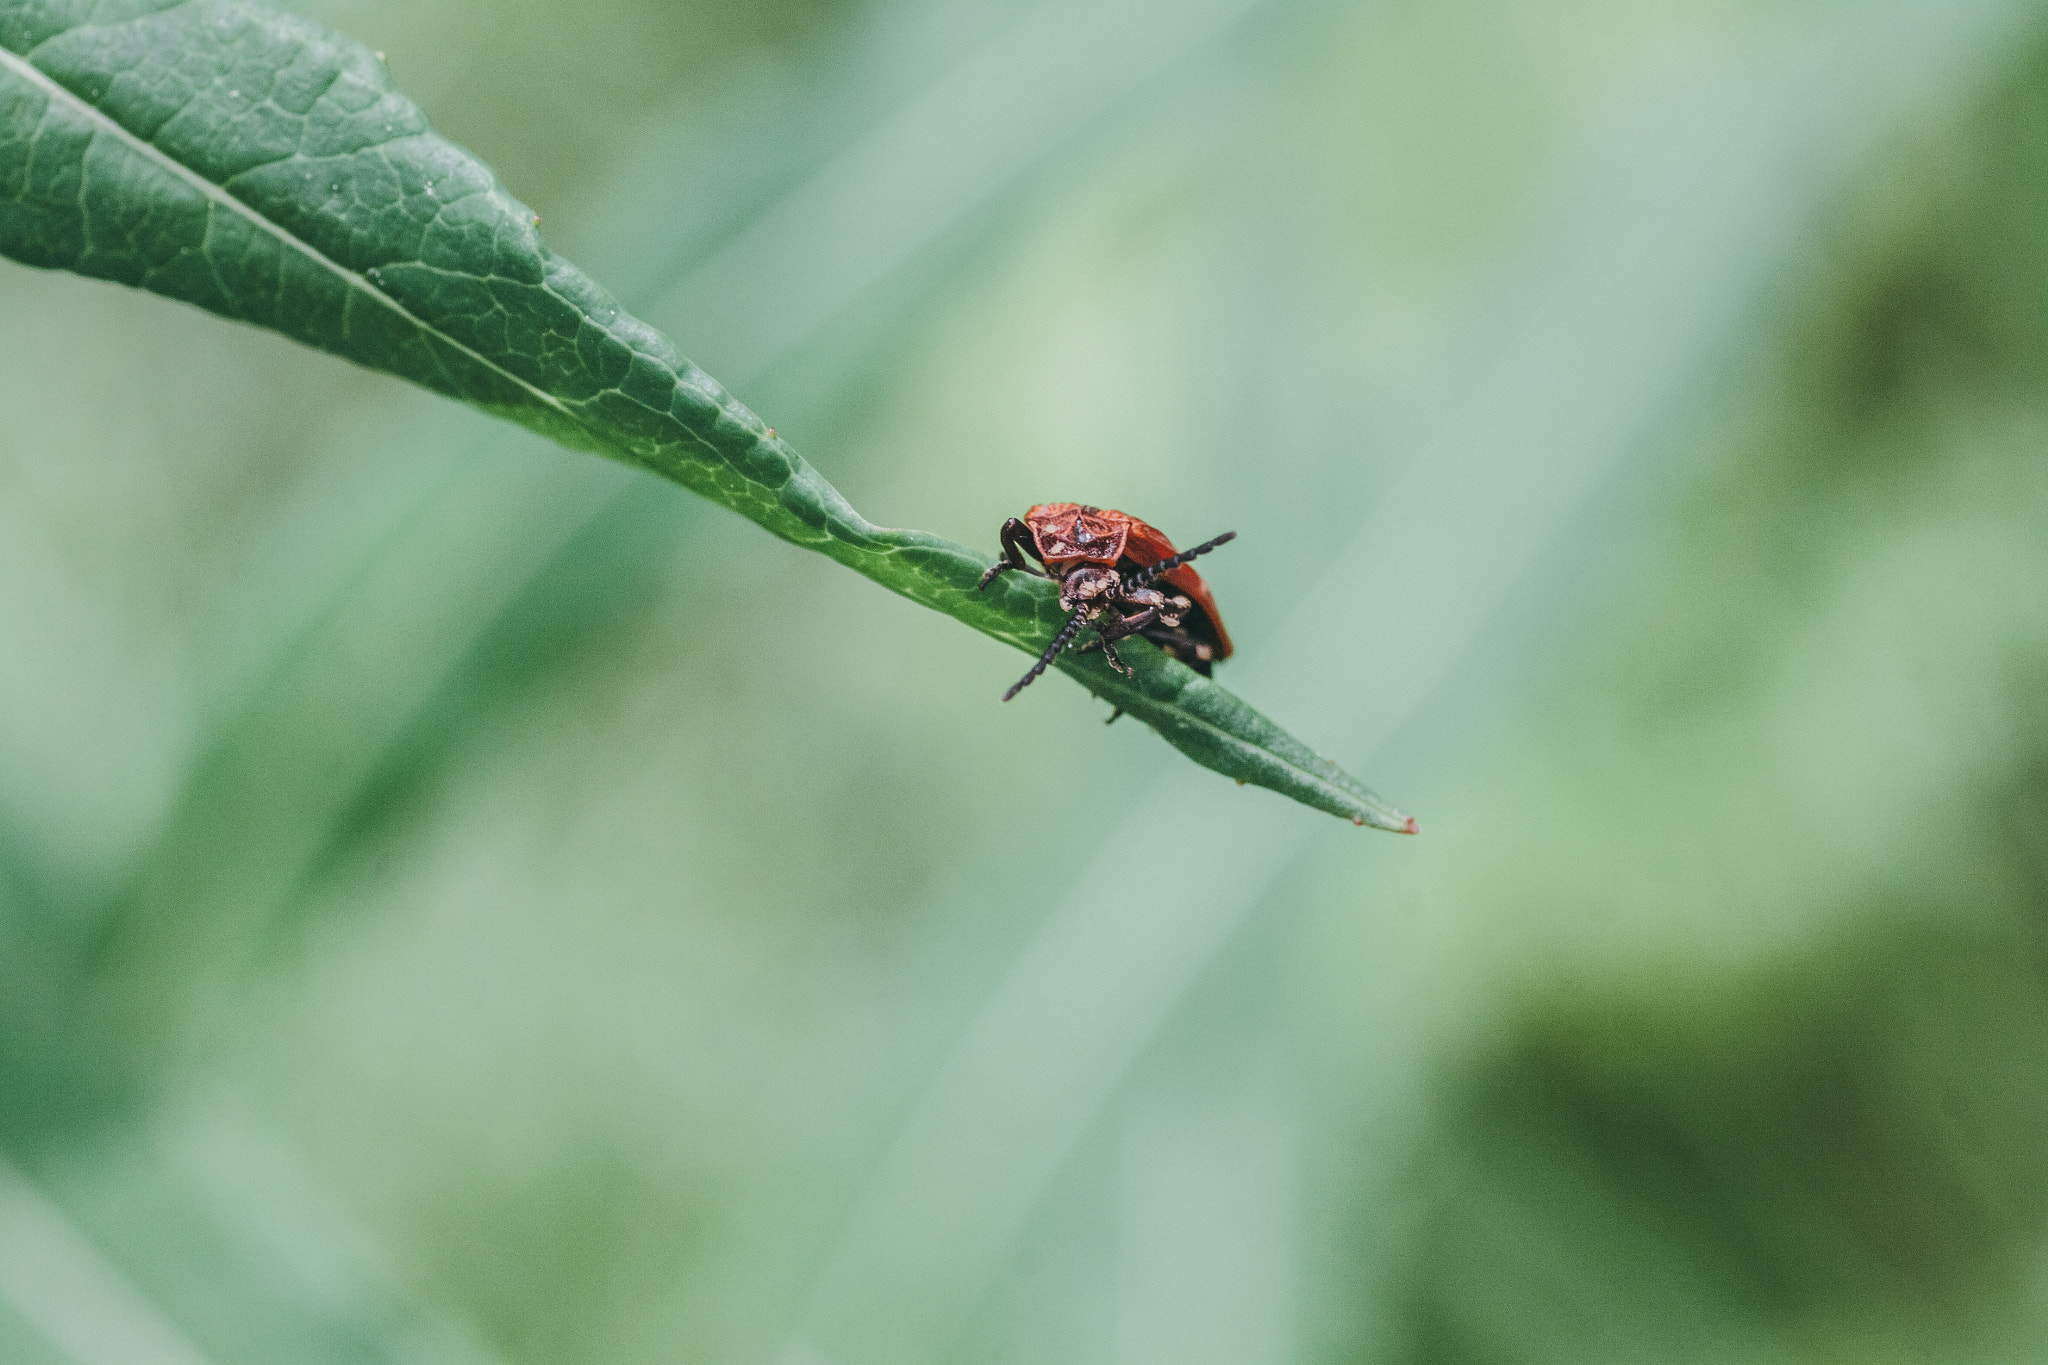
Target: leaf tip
[(1407, 825)]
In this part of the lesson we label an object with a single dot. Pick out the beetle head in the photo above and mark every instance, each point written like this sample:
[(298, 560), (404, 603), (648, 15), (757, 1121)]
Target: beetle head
[(1086, 584)]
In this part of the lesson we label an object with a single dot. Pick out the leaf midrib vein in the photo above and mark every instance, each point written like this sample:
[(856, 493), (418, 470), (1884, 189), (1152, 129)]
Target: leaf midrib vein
[(1308, 776), (37, 76), (218, 194)]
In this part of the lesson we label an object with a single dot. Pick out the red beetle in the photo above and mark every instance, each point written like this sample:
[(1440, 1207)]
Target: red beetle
[(1105, 563)]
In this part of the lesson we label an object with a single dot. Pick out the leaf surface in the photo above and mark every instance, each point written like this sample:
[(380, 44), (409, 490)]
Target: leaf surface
[(261, 166)]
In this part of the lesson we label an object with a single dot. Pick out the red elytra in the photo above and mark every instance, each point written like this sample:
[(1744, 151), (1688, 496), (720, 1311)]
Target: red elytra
[(1106, 564), (1071, 533)]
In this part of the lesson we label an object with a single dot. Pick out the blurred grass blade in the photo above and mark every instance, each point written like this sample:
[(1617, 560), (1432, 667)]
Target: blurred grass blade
[(497, 520), (260, 166), (1715, 190), (978, 128), (194, 1238), (56, 1280)]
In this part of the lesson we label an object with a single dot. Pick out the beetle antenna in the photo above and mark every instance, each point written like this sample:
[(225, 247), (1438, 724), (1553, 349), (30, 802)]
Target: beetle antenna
[(1059, 642), (1152, 571)]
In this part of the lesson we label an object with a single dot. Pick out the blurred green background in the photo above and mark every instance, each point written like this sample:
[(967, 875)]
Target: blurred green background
[(465, 902)]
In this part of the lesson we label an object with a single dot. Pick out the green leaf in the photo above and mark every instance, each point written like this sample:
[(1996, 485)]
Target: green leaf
[(261, 166)]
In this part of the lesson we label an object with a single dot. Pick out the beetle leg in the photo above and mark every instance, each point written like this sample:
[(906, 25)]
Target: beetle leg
[(1018, 542), (1123, 625), (1016, 539), (1171, 609), (1111, 626)]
